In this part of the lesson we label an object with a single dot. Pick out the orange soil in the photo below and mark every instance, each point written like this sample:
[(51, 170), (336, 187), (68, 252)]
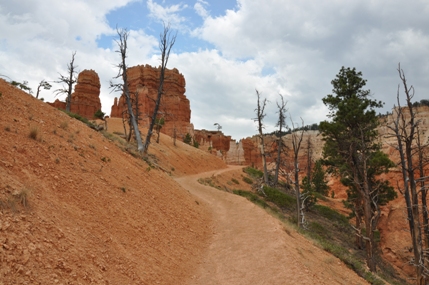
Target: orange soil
[(97, 215)]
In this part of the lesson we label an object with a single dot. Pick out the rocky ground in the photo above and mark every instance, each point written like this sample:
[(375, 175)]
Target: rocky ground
[(76, 208)]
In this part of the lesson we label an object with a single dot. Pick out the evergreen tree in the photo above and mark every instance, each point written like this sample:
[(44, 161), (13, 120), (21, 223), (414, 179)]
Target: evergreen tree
[(352, 151)]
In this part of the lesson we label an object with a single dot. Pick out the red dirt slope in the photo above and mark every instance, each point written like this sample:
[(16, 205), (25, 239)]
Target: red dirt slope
[(95, 215)]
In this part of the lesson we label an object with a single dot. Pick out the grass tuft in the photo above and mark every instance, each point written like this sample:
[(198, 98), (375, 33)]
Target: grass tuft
[(34, 133), (64, 125)]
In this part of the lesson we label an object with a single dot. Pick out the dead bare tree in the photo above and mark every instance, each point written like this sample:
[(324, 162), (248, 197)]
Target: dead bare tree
[(297, 137), (68, 80), (423, 161), (281, 123), (123, 87), (406, 132), (166, 42), (260, 115)]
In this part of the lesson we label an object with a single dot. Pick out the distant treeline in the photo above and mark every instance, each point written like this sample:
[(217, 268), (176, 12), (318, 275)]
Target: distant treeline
[(420, 103), (313, 127)]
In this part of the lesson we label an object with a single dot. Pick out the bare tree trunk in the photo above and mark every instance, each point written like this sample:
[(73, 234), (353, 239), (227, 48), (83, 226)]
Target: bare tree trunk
[(296, 145), (359, 239), (260, 117), (166, 43), (422, 163), (404, 130), (369, 236), (69, 81), (122, 43), (281, 122), (71, 68), (123, 123)]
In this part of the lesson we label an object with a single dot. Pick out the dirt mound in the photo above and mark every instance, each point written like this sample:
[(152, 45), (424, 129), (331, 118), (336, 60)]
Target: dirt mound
[(76, 209)]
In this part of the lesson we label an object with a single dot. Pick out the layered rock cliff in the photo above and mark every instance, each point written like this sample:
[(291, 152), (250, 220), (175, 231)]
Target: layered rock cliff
[(213, 141), (143, 83), (85, 100)]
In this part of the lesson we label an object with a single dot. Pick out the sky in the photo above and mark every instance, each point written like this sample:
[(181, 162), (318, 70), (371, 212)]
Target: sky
[(226, 50)]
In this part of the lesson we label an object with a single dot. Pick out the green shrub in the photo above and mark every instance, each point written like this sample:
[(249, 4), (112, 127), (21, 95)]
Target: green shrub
[(251, 197), (247, 180), (196, 144), (253, 172), (235, 181), (279, 198), (80, 118), (187, 139), (318, 229), (331, 214), (99, 115)]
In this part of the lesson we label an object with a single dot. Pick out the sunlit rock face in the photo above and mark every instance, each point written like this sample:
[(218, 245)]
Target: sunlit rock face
[(175, 108), (85, 100)]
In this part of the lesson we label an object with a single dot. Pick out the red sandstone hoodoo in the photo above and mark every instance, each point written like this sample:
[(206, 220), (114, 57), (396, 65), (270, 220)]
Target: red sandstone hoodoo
[(85, 100), (175, 107)]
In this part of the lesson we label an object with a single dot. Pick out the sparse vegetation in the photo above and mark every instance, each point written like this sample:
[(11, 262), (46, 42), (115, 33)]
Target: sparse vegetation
[(253, 172), (329, 229), (210, 181), (7, 128), (34, 133), (99, 115), (235, 181), (23, 195), (105, 159), (64, 125), (187, 139), (247, 180), (17, 198), (281, 199), (45, 85)]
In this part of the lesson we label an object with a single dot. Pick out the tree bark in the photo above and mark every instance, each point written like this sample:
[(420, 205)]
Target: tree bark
[(260, 117), (166, 43)]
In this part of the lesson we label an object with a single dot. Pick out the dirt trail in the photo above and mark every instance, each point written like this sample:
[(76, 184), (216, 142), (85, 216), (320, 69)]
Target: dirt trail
[(249, 246)]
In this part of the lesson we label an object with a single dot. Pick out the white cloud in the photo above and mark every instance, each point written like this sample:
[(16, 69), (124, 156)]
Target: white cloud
[(200, 9), (290, 47), (37, 42), (169, 14)]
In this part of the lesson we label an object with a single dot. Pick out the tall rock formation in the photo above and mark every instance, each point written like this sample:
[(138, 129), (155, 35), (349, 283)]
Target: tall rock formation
[(214, 141), (235, 155), (85, 100), (175, 107)]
